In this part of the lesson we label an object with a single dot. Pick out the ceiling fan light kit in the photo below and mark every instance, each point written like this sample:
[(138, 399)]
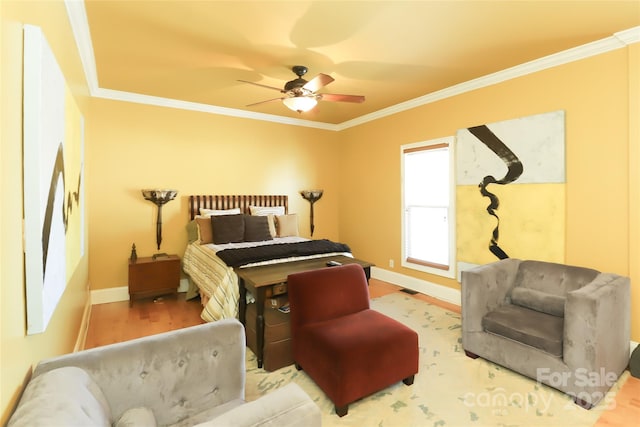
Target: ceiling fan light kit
[(300, 104), (301, 94)]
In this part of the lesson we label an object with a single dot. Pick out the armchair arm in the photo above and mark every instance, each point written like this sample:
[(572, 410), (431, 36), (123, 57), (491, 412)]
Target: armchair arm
[(597, 325), (289, 406), (483, 289)]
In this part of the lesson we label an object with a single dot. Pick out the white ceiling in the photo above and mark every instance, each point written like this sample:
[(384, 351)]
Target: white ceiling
[(392, 52)]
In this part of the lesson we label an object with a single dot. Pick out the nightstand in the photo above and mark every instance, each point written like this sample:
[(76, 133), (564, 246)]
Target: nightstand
[(149, 277)]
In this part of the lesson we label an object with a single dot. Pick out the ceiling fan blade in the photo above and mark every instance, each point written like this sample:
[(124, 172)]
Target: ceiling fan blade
[(334, 97), (261, 85), (318, 82), (264, 102)]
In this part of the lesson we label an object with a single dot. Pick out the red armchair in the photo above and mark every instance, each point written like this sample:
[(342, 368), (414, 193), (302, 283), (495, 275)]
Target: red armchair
[(348, 349)]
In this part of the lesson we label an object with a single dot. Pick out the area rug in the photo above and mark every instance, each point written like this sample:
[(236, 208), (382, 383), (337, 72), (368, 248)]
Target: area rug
[(450, 389)]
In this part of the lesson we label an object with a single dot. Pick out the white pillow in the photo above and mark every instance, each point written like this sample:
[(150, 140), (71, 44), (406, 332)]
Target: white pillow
[(266, 210), (210, 212)]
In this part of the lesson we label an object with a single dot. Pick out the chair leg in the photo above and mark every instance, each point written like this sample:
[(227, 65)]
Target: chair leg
[(409, 380), (471, 355), (582, 403), (341, 411)]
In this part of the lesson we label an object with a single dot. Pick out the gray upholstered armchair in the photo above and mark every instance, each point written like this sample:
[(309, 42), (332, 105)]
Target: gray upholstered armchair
[(186, 377), (564, 326)]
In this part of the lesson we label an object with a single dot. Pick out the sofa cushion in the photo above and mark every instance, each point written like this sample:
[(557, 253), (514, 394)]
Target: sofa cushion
[(538, 301), (209, 413), (284, 407), (530, 327), (551, 278), (355, 355), (62, 397), (137, 417)]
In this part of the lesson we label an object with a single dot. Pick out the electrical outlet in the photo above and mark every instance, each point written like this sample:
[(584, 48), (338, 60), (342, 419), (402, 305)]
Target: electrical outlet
[(391, 263)]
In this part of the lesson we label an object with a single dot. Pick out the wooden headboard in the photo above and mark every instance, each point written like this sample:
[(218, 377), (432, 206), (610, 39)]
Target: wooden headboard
[(237, 201)]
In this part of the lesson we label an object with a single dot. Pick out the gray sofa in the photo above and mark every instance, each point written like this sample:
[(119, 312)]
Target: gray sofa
[(564, 326), (192, 376)]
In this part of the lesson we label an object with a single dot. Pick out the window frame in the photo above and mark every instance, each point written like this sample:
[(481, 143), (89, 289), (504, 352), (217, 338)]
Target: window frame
[(449, 270)]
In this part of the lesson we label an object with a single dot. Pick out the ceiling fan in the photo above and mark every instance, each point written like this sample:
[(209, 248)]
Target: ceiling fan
[(301, 95)]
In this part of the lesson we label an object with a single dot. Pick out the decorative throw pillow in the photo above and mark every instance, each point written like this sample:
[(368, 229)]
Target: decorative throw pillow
[(227, 228), (538, 301), (192, 231), (271, 219), (205, 231), (287, 225), (270, 212), (62, 396), (256, 229)]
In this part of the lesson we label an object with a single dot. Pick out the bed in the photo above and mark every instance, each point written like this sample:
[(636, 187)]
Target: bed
[(270, 235)]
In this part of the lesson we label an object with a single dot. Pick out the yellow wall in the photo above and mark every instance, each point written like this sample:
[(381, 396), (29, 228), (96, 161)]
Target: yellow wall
[(595, 95), (18, 352), (531, 216), (634, 186), (136, 146)]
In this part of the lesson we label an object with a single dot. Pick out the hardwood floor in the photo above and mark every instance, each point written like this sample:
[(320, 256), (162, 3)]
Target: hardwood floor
[(116, 322), (626, 410)]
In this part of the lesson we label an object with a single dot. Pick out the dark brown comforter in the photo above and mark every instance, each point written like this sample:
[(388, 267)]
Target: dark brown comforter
[(242, 256)]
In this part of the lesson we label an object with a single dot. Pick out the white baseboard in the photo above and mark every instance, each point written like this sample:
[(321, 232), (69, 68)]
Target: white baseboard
[(440, 292), (121, 293), (84, 325), (104, 296)]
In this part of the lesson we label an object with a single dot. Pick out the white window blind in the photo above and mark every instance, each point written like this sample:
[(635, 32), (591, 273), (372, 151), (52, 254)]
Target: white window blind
[(428, 232)]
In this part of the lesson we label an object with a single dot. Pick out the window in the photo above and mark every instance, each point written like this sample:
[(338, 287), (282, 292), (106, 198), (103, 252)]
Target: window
[(428, 206)]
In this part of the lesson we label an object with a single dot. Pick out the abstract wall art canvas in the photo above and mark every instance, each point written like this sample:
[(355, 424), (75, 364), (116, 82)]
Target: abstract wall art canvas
[(53, 148), (510, 189)]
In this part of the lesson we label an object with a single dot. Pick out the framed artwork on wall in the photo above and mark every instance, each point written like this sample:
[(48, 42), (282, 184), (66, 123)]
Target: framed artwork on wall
[(53, 153), (510, 179)]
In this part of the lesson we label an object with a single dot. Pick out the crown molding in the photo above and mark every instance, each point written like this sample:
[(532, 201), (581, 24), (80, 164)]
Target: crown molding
[(80, 26), (137, 98), (630, 36), (620, 40)]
